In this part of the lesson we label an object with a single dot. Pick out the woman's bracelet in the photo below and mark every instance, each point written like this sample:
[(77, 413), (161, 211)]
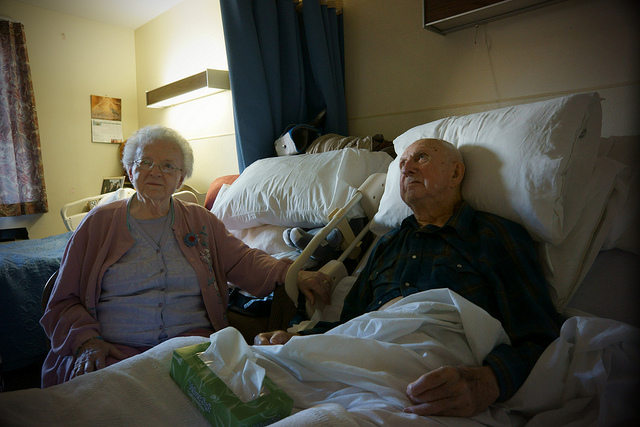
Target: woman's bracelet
[(98, 337)]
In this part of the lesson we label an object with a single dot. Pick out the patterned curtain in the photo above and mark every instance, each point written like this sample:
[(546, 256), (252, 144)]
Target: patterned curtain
[(22, 189)]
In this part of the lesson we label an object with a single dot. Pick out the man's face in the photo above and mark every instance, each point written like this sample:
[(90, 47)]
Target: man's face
[(425, 172)]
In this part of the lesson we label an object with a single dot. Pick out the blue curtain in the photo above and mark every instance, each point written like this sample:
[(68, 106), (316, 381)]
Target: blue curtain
[(285, 67)]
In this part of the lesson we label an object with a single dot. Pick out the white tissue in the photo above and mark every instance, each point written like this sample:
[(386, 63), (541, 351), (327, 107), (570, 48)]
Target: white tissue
[(233, 361)]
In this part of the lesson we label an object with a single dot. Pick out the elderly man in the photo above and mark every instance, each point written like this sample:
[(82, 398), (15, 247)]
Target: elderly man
[(482, 257)]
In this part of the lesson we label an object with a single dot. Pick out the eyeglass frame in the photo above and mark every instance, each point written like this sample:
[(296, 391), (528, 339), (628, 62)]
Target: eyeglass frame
[(161, 166)]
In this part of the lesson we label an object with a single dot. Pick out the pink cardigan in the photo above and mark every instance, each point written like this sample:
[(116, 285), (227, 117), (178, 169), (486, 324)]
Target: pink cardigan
[(102, 238)]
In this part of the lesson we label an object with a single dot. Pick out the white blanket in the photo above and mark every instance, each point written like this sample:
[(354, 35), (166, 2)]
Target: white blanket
[(588, 376), (366, 364), (357, 374)]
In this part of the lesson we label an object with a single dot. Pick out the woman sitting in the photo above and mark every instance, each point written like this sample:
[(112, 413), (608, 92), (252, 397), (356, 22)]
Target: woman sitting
[(142, 270)]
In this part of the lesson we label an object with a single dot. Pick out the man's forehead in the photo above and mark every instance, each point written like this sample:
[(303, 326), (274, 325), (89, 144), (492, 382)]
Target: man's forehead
[(423, 145)]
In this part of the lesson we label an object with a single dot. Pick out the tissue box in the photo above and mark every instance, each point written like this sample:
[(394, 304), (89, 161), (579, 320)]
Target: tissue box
[(216, 401)]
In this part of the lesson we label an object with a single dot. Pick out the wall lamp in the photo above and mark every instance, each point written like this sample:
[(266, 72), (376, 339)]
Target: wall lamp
[(193, 87)]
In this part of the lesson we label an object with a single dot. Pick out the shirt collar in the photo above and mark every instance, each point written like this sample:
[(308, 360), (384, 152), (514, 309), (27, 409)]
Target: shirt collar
[(460, 221)]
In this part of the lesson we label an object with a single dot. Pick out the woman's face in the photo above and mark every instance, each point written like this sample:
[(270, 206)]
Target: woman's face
[(153, 183)]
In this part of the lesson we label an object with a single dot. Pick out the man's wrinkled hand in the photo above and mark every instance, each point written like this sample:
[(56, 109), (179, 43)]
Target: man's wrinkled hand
[(453, 391)]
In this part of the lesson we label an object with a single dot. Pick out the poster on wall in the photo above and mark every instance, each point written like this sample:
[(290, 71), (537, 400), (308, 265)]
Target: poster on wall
[(106, 119)]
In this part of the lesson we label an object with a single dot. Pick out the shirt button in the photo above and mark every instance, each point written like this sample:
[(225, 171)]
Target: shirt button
[(407, 284), (162, 270), (459, 266), (158, 250), (160, 304), (414, 256)]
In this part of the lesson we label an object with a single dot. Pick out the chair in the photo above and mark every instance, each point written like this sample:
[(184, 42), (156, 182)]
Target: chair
[(46, 294)]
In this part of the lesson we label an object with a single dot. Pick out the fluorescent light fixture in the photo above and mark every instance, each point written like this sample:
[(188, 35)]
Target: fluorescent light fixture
[(199, 85)]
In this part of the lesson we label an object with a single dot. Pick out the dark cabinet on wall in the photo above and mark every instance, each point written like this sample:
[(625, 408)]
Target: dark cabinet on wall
[(445, 16)]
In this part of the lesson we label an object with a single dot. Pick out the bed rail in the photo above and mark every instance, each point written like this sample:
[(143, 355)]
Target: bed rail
[(73, 212), (368, 195)]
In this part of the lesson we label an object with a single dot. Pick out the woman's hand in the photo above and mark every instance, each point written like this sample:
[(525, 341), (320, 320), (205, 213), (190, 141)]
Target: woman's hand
[(92, 355), (312, 283)]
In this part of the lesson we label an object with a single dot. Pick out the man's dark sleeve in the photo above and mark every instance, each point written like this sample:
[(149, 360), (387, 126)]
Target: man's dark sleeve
[(525, 310)]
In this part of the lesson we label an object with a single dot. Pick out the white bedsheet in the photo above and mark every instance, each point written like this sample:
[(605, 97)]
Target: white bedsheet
[(366, 364), (586, 377), (345, 377)]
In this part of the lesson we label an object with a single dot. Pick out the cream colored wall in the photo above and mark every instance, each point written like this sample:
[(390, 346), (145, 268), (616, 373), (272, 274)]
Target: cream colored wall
[(183, 41), (399, 75), (71, 59)]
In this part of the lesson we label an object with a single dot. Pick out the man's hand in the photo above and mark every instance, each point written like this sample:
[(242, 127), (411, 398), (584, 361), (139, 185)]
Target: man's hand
[(92, 355), (273, 338), (449, 391), (312, 283)]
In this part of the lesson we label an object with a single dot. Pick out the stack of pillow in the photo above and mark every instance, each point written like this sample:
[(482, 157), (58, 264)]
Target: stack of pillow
[(540, 165), (277, 193), (543, 165)]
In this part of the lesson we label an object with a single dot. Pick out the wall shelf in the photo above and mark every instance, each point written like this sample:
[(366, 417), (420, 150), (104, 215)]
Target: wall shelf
[(446, 16)]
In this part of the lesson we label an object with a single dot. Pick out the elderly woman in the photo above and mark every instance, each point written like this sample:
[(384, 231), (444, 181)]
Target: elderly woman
[(140, 271)]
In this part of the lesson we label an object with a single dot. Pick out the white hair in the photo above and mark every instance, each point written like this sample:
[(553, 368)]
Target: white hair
[(153, 133)]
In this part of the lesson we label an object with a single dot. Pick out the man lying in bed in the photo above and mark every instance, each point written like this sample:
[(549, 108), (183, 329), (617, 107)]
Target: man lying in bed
[(447, 244)]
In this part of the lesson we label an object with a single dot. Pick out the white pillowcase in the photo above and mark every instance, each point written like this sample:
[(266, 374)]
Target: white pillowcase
[(528, 163), (565, 265), (267, 238), (298, 191), (120, 193)]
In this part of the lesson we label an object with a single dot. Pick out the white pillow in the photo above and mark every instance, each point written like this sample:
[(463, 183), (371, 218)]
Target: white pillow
[(527, 163), (297, 190), (565, 265), (120, 193), (267, 238)]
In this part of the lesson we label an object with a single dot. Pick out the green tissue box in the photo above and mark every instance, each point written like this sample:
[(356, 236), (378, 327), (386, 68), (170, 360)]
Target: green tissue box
[(220, 406)]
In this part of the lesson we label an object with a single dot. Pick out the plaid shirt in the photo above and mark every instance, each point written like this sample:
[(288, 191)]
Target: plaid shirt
[(486, 259)]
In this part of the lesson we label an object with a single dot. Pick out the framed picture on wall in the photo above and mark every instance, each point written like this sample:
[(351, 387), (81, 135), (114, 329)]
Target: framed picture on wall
[(112, 183)]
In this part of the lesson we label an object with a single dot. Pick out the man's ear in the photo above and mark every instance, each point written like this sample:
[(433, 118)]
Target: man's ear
[(458, 174)]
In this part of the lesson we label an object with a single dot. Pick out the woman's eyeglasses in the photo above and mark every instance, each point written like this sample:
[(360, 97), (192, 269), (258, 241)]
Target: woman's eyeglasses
[(147, 165)]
